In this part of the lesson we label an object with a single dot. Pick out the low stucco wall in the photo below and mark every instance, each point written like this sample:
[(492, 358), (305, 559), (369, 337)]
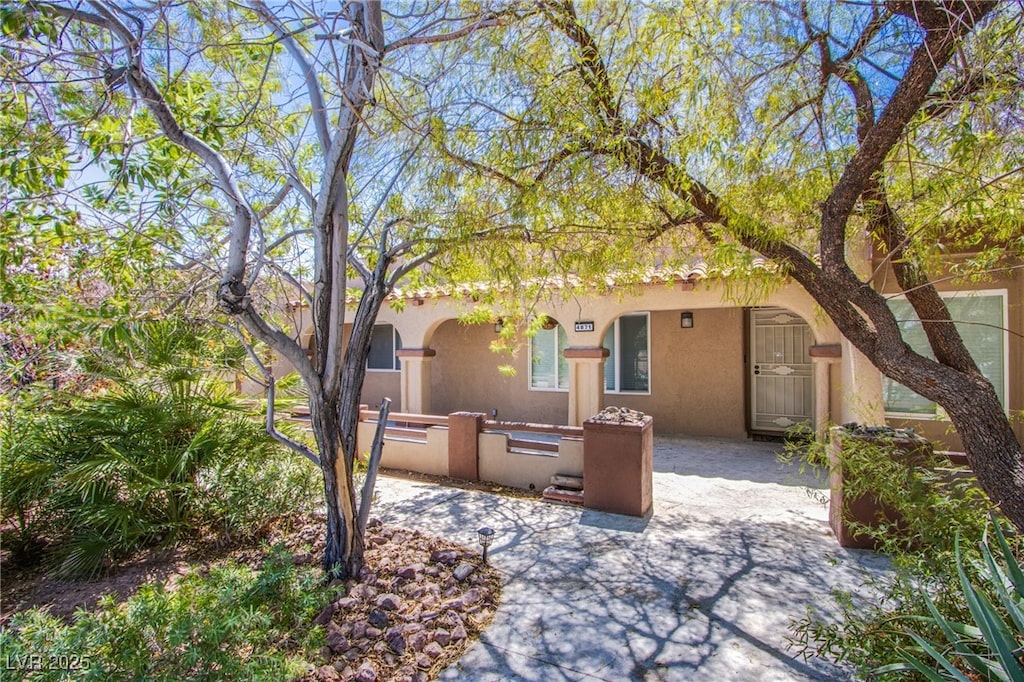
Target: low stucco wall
[(521, 470), (430, 457)]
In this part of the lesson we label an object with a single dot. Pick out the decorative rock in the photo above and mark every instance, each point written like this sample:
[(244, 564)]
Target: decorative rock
[(341, 667), (325, 616), (448, 557), (373, 633), (417, 641), (423, 661), (378, 619), (472, 596), (410, 628), (442, 636), (327, 673), (358, 629), (366, 673), (334, 639), (397, 644), (463, 570), (459, 632), (434, 650), (346, 603), (302, 558), (362, 591), (409, 572), (388, 602)]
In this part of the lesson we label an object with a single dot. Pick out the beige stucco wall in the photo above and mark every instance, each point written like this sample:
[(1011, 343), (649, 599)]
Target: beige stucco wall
[(521, 470), (430, 457), (697, 375), (465, 377)]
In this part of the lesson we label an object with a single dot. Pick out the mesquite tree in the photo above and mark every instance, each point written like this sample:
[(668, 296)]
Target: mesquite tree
[(245, 131), (792, 131)]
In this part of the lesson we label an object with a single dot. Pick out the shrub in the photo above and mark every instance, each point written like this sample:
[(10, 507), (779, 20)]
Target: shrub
[(936, 504), (233, 623), (165, 450), (989, 645)]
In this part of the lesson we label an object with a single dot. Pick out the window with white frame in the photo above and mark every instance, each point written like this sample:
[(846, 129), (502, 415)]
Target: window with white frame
[(628, 368), (549, 370), (384, 343), (980, 318)]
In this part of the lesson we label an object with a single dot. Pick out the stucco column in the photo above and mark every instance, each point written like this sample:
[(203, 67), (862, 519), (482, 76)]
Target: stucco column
[(823, 357), (586, 382), (862, 388), (416, 379)]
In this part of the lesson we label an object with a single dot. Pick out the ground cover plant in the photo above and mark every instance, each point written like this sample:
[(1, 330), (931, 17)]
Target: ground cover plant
[(264, 613)]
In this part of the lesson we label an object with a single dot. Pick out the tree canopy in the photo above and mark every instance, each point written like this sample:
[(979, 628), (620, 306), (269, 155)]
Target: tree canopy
[(241, 155)]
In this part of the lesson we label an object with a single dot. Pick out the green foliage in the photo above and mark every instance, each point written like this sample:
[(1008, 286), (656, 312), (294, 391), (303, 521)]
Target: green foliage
[(232, 623), (935, 505), (163, 452), (989, 645)]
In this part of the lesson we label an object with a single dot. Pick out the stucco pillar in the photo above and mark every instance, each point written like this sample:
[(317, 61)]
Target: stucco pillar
[(862, 389), (586, 382), (416, 379), (464, 445), (824, 357)]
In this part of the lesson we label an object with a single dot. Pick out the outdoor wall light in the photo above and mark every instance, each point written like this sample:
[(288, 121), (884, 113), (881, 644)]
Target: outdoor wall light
[(486, 535), (686, 320)]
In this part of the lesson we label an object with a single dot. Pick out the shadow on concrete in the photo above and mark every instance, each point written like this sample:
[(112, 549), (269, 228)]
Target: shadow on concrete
[(676, 596)]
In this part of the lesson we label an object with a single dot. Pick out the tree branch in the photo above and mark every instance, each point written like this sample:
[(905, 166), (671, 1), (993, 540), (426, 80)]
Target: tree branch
[(316, 96), (928, 59), (271, 395)]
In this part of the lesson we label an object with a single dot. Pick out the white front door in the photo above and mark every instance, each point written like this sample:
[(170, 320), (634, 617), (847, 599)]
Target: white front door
[(782, 393)]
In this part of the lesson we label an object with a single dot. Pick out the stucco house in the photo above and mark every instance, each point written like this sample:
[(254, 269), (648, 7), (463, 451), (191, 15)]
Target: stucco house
[(676, 348)]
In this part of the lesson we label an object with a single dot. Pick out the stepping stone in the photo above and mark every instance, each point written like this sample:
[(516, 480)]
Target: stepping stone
[(555, 494)]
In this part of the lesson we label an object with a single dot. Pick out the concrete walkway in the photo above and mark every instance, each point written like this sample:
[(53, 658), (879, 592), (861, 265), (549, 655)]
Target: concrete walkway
[(703, 589)]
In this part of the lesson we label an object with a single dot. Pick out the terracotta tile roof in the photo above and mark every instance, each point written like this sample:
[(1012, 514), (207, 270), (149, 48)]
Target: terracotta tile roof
[(653, 275)]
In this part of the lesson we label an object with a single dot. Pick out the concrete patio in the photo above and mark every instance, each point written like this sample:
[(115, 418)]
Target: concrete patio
[(703, 589)]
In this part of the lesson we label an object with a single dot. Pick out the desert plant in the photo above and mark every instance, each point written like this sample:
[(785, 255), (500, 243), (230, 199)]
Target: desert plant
[(987, 647), (165, 449), (936, 504)]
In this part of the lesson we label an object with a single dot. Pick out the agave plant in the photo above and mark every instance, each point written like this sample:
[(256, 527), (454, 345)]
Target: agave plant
[(990, 646)]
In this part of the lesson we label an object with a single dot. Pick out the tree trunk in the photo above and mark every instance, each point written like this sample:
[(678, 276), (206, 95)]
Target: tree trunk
[(992, 449), (343, 554)]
